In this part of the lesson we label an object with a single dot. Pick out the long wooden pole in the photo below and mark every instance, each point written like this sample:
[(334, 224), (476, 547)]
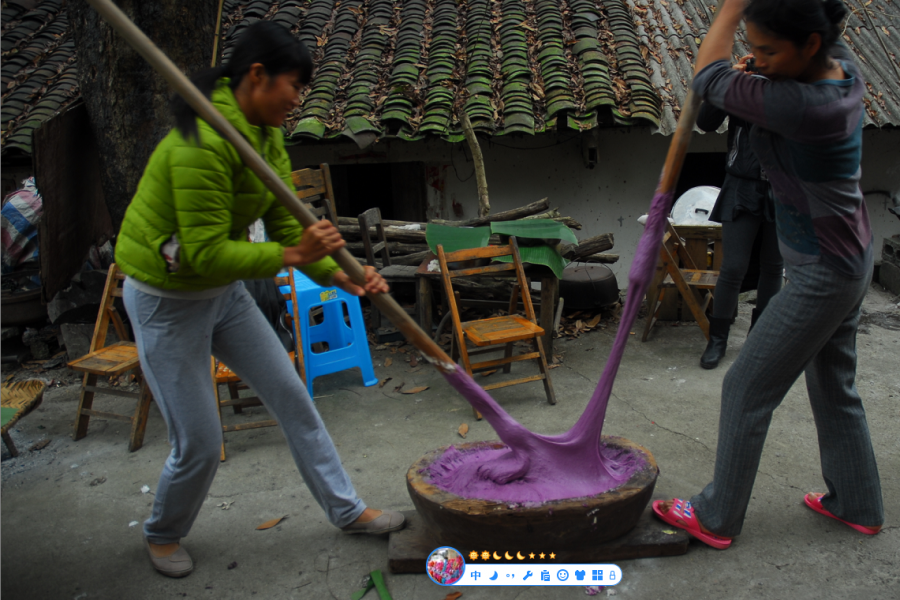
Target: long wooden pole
[(159, 61)]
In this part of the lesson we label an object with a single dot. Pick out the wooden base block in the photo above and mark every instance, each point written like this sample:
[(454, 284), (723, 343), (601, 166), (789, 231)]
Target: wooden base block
[(408, 549)]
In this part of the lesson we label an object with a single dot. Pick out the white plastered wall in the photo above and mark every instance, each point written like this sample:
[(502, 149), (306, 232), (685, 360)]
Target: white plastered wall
[(607, 198)]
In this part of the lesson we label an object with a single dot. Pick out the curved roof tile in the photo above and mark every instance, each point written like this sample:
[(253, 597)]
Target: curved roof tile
[(406, 68)]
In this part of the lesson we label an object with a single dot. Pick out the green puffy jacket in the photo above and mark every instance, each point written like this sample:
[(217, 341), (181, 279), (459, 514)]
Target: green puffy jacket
[(204, 194)]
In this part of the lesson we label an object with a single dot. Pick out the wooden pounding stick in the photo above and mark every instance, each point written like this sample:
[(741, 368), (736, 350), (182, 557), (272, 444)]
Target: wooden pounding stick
[(204, 108)]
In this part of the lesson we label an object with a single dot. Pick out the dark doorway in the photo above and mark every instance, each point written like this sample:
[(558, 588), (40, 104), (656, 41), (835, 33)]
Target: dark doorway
[(701, 168), (708, 168), (398, 189)]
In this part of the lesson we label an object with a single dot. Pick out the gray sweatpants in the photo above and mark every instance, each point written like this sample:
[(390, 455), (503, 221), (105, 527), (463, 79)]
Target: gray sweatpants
[(175, 338), (810, 325)]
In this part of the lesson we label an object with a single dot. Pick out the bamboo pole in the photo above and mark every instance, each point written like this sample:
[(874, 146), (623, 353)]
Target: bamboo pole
[(159, 61), (215, 54)]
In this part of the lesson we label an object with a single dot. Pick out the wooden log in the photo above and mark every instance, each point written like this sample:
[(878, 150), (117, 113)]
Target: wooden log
[(390, 233), (600, 258), (587, 247), (384, 222), (553, 215), (398, 248), (415, 258), (406, 260), (569, 222), (506, 215)]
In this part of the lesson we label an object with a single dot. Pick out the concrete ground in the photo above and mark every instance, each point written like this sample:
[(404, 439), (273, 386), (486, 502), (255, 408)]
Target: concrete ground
[(70, 510)]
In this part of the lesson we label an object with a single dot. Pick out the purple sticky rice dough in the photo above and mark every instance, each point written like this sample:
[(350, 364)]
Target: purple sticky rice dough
[(535, 468)]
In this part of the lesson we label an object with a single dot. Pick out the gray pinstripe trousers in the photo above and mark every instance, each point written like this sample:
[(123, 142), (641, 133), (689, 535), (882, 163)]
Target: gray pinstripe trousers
[(809, 326)]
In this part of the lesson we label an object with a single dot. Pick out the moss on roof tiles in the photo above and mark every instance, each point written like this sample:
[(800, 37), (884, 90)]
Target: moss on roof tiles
[(405, 68)]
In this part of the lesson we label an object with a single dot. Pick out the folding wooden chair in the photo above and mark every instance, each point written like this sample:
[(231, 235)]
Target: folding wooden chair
[(111, 361), (222, 375), (694, 285), (315, 190), (495, 331), (380, 249)]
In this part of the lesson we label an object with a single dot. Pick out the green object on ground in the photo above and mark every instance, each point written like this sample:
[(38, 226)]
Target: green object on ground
[(376, 580), (8, 414), (456, 238)]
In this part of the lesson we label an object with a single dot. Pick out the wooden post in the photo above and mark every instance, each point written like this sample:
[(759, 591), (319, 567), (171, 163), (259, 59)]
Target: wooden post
[(484, 205)]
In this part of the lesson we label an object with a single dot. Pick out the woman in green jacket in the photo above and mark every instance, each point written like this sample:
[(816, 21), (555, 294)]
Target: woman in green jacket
[(183, 246)]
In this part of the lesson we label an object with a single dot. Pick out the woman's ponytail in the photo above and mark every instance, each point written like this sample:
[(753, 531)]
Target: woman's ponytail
[(185, 116)]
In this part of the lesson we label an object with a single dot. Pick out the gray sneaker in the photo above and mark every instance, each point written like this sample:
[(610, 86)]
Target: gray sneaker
[(388, 521), (177, 564)]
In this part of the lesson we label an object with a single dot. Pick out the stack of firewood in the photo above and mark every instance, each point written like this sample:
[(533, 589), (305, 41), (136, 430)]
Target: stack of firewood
[(406, 239)]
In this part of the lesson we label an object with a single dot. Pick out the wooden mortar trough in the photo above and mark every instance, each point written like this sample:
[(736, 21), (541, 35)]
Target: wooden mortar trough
[(575, 523)]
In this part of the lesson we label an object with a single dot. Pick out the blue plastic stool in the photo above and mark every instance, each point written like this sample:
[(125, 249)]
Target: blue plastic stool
[(347, 346)]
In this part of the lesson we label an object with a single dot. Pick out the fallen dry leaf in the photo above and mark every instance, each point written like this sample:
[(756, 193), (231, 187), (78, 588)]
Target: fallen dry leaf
[(463, 430), (486, 373), (413, 361), (384, 381), (399, 387), (595, 321), (453, 596), (416, 390), (271, 524), (388, 362), (40, 445)]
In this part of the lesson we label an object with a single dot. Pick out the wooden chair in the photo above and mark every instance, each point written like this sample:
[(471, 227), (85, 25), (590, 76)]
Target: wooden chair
[(315, 190), (677, 269), (495, 331), (222, 375), (391, 273), (111, 361)]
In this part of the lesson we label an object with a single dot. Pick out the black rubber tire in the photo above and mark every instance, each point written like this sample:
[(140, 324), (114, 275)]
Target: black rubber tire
[(586, 286)]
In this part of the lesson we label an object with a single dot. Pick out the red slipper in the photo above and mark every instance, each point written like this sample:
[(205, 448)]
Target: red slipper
[(681, 515), (814, 501)]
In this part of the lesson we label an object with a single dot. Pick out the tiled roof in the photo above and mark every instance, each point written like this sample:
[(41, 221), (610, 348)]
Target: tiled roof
[(37, 77), (406, 68), (670, 32)]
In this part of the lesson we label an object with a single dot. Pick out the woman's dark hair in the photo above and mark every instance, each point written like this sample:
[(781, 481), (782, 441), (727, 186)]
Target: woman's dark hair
[(263, 42), (796, 20)]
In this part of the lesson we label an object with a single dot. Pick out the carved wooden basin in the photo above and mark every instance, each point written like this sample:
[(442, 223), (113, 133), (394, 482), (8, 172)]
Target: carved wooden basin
[(576, 523)]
